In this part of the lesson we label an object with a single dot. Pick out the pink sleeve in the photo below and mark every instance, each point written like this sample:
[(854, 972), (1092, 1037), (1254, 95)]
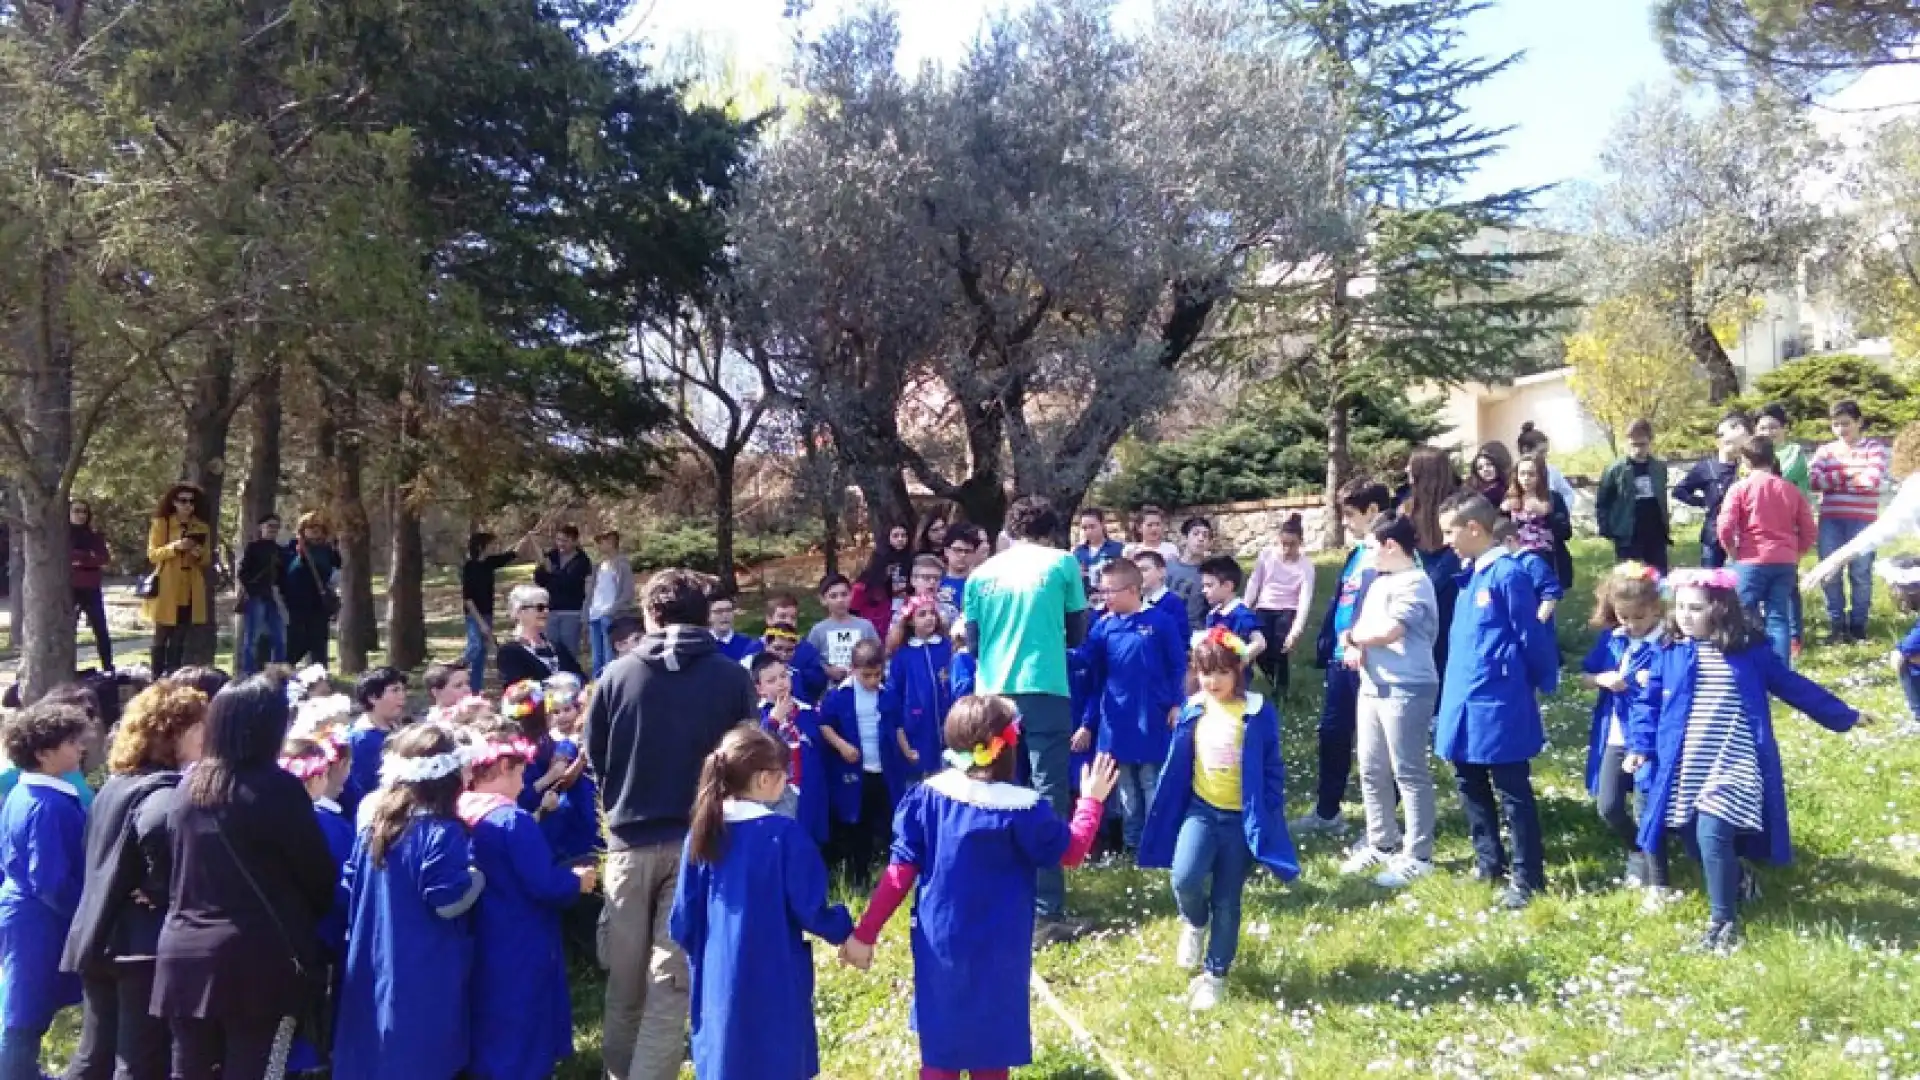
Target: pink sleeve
[(1808, 534), (895, 883), (1733, 515), (1252, 597), (1305, 603), (1085, 827)]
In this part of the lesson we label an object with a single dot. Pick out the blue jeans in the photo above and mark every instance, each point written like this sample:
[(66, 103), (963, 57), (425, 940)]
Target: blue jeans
[(1711, 841), (1137, 784), (564, 627), (1046, 727), (476, 655), (1834, 534), (257, 617), (1910, 683), (1514, 784), (1712, 555), (1210, 865), (1768, 588), (602, 645), (1338, 711)]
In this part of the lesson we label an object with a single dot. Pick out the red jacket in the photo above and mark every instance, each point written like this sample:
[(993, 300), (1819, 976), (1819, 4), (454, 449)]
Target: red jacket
[(1766, 520), (872, 605)]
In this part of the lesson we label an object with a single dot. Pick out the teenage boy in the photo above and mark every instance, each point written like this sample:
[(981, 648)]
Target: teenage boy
[(1499, 658), (1139, 670), (739, 648), (1183, 570), (43, 833), (1630, 505), (1850, 473), (1159, 599), (1096, 549), (625, 632), (854, 722), (1362, 503), (804, 662), (1707, 483), (1220, 579), (565, 572), (962, 542), (263, 564), (382, 697), (447, 686), (837, 635)]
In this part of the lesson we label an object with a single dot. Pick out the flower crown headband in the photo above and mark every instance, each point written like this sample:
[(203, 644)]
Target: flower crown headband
[(1636, 571), (329, 748), (489, 751), (777, 632), (986, 753), (1220, 635), (520, 699), (419, 770), (1721, 578)]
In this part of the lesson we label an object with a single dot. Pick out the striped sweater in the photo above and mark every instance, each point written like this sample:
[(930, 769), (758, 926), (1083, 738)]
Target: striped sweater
[(1850, 479)]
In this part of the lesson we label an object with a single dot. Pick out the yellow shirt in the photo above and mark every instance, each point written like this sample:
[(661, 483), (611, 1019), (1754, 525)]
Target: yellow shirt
[(1217, 736)]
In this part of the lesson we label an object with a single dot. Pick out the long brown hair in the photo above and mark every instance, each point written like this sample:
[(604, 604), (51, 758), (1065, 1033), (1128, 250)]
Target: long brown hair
[(1517, 492), (1626, 585), (395, 805), (744, 753), (1430, 479), (165, 509)]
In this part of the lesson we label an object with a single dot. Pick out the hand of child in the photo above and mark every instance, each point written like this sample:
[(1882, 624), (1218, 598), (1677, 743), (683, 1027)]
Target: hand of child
[(782, 706), (850, 754), (549, 802), (1539, 506), (1287, 645), (589, 877), (1351, 657), (1546, 609), (1632, 762), (1082, 741), (1611, 681), (1097, 780), (913, 756), (1173, 717), (856, 954)]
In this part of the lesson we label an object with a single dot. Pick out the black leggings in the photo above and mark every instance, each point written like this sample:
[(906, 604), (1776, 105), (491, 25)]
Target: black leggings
[(234, 1049), (91, 604), (863, 843), (170, 642), (1275, 626), (116, 1030), (307, 636)]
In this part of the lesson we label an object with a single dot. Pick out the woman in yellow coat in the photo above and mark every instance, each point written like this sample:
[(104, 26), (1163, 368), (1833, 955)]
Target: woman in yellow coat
[(178, 544)]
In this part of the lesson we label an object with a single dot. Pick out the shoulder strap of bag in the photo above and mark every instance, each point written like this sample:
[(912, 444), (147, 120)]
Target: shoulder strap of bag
[(286, 939), (307, 559)]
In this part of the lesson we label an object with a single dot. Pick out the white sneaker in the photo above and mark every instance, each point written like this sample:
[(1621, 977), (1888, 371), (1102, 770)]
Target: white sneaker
[(1364, 857), (1193, 939), (1205, 992), (1403, 871), (1311, 822)]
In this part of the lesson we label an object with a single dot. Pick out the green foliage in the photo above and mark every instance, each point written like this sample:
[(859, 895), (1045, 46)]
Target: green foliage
[(1803, 47), (691, 545), (1809, 386), (1267, 449)]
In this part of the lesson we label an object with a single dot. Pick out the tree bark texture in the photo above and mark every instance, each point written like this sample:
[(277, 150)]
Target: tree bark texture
[(204, 464), (1723, 381), (406, 562)]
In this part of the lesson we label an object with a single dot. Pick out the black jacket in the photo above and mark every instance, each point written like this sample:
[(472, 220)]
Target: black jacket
[(656, 715), (263, 566), (109, 924), (566, 582), (517, 662)]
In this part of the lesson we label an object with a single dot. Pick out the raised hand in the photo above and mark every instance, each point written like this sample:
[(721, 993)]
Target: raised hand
[(1098, 779)]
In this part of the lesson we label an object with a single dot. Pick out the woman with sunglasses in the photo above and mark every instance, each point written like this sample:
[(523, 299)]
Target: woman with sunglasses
[(87, 562), (531, 654), (178, 545)]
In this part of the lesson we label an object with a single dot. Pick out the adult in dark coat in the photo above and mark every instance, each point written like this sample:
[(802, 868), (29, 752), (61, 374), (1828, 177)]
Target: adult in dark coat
[(532, 654), (251, 878)]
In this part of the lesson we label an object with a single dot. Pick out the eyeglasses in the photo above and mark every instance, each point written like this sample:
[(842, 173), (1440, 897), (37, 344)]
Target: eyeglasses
[(184, 500)]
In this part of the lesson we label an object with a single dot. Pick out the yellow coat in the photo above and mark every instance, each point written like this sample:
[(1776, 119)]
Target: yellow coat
[(183, 577)]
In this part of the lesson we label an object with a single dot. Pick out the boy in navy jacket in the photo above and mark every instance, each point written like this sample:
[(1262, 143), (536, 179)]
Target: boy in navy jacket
[(1220, 580), (1362, 502), (1499, 657), (1156, 597), (1137, 668)]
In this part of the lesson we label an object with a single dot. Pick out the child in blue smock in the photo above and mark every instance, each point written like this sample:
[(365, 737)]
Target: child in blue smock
[(382, 697), (405, 1007), (1546, 581), (522, 1018), (752, 883), (1631, 622), (1220, 807), (1157, 598), (571, 820), (975, 842), (919, 676), (1705, 730), (43, 852), (1220, 580), (317, 754), (797, 726), (860, 721), (1903, 577), (964, 668), (1499, 657), (1137, 672)]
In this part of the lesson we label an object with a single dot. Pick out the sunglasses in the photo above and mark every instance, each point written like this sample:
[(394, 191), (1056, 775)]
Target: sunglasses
[(184, 500), (535, 607)]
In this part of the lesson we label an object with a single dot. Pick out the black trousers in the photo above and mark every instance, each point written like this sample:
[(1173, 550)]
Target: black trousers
[(170, 643), (861, 844), (91, 604), (235, 1049), (307, 636), (118, 1040), (1651, 551), (1275, 626)]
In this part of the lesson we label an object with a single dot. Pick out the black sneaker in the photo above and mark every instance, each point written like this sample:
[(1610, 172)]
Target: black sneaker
[(1720, 938), (1516, 898), (1490, 874), (1749, 886), (1059, 931)]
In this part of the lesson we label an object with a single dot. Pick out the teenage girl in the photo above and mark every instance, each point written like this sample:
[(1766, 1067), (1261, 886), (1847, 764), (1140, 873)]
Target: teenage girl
[(1280, 588), (1628, 613), (1705, 729), (1220, 807), (751, 883), (976, 842)]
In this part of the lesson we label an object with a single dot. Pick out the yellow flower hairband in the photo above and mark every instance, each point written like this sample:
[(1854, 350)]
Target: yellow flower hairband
[(986, 753)]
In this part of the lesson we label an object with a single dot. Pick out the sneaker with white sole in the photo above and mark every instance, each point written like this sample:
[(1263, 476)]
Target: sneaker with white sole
[(1193, 939), (1403, 871), (1206, 992), (1311, 822), (1364, 857)]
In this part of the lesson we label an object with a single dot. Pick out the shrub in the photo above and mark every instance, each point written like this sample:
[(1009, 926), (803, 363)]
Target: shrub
[(1809, 386), (678, 542)]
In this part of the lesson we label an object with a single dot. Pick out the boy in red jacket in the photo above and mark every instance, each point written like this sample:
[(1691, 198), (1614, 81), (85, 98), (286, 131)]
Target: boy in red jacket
[(1766, 526)]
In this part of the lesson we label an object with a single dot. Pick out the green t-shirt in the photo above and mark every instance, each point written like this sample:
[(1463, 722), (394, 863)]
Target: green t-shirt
[(1017, 604)]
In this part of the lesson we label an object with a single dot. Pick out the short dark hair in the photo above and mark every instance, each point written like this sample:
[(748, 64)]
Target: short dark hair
[(571, 532), (43, 727), (1365, 493), (1222, 568), (1148, 555), (1120, 573), (1472, 506), (832, 580), (375, 683), (1193, 523), (1399, 529), (478, 543), (1759, 454), (1844, 407), (1776, 411), (782, 599), (607, 534), (1640, 429), (1530, 439), (762, 661), (1735, 416), (867, 654), (623, 627), (962, 533), (1093, 512), (675, 598), (441, 675), (266, 517), (1032, 517)]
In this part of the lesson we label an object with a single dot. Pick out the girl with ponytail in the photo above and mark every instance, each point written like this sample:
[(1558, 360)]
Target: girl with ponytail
[(751, 882)]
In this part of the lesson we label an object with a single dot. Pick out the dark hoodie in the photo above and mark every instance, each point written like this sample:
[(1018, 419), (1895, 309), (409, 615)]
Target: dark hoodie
[(656, 714)]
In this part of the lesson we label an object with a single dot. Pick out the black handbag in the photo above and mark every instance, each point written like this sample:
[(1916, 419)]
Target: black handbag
[(147, 587)]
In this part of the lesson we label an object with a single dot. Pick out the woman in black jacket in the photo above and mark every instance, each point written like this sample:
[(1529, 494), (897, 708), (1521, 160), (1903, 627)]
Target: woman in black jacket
[(250, 878), (307, 587), (531, 654), (117, 927)]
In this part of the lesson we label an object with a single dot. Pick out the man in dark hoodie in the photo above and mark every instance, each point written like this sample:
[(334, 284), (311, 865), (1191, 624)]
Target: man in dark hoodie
[(657, 713)]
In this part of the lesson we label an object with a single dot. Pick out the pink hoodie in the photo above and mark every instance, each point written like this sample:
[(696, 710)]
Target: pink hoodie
[(1765, 520)]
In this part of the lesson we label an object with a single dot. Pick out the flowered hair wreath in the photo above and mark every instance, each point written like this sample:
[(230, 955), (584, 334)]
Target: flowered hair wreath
[(1721, 578), (1220, 635), (489, 751), (986, 753), (395, 769), (1635, 571), (520, 700)]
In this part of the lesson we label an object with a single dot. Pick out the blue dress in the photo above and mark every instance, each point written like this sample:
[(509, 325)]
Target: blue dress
[(978, 847), (366, 743), (573, 828), (404, 1004), (919, 674), (741, 921), (43, 850), (522, 1017), (332, 927), (816, 784), (965, 670)]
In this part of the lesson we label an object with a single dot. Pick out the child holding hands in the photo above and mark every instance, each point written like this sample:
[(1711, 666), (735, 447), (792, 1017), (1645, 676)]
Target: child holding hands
[(1628, 613)]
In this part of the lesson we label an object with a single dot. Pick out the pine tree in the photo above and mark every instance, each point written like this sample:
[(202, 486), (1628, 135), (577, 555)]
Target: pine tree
[(1415, 282)]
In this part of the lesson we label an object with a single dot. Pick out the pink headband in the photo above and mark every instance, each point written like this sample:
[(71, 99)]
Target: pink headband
[(1721, 578), (490, 751)]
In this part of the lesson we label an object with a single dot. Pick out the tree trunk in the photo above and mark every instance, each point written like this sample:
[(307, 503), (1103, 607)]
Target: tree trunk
[(204, 464), (349, 515), (406, 565), (260, 492), (1723, 381), (823, 475), (723, 473), (884, 488), (43, 576), (1339, 467)]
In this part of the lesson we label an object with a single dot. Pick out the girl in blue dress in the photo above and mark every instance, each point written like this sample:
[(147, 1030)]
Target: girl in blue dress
[(43, 851), (919, 674), (320, 756), (1705, 729), (1631, 620), (522, 1016), (975, 842), (751, 883), (404, 1004)]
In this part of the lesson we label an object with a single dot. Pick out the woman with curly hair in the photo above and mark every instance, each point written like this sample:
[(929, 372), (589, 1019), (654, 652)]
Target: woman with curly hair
[(179, 546), (129, 850)]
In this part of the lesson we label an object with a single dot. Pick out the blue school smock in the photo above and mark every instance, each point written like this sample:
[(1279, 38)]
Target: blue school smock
[(739, 647), (522, 1016), (43, 851), (965, 670), (332, 927), (919, 674), (1263, 791), (1659, 731), (543, 754), (1172, 610), (1607, 654), (404, 1006), (741, 922), (843, 776), (816, 777), (10, 776), (1546, 585), (1240, 620), (809, 670), (977, 846), (366, 743), (573, 828), (1139, 671), (1499, 655)]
